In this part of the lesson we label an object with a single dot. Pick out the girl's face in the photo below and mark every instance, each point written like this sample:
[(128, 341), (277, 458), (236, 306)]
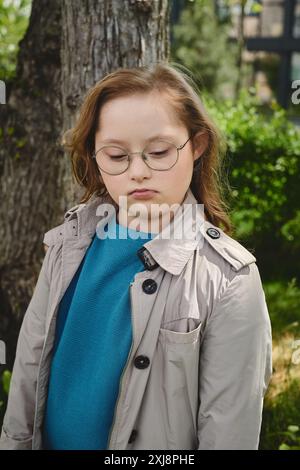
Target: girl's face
[(133, 120)]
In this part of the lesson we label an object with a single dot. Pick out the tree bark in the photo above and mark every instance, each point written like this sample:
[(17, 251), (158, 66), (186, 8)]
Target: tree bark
[(69, 45), (29, 162)]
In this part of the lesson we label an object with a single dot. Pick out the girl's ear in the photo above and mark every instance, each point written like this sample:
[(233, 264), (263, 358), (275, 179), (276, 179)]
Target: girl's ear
[(200, 143)]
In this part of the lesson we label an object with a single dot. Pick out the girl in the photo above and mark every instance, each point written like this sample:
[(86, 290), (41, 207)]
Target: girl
[(135, 338)]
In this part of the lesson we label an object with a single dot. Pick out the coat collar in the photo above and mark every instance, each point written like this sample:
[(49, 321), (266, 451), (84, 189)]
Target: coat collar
[(171, 253)]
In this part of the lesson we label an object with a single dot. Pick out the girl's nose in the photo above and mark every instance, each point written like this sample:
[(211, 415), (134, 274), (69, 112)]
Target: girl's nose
[(137, 167)]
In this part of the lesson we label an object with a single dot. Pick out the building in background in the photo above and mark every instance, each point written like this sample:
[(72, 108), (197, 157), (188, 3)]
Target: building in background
[(270, 32)]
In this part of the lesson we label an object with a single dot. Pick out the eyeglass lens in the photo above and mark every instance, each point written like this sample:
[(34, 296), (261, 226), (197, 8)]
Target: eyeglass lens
[(159, 155)]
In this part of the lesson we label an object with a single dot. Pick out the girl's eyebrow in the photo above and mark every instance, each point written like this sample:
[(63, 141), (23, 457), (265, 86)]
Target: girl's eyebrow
[(154, 137)]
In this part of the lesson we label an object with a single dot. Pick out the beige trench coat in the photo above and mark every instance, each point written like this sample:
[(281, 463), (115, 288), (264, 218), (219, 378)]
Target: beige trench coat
[(201, 356)]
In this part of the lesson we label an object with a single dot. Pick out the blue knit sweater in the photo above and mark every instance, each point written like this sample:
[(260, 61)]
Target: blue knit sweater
[(92, 343)]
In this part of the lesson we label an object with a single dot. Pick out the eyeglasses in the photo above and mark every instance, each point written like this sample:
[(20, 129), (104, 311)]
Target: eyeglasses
[(160, 155)]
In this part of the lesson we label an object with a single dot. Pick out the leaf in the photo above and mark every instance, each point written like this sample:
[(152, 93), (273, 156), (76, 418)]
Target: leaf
[(6, 378), (284, 447), (293, 428)]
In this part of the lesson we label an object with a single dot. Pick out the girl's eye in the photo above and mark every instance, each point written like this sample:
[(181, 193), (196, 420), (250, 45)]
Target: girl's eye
[(160, 153), (113, 153), (157, 152)]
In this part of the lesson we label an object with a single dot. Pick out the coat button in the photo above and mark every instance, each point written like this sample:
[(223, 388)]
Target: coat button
[(141, 362), (132, 436), (149, 286), (213, 233)]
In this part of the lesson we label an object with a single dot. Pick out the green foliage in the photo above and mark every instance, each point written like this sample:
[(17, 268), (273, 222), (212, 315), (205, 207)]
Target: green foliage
[(281, 415), (14, 17), (4, 389), (283, 299), (263, 164), (293, 435), (279, 429), (6, 378), (291, 232), (201, 44)]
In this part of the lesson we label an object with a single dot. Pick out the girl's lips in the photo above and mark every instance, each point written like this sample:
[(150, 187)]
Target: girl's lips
[(143, 194)]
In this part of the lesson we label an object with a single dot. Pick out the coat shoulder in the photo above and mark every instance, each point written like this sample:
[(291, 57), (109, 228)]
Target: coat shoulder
[(55, 234), (227, 247)]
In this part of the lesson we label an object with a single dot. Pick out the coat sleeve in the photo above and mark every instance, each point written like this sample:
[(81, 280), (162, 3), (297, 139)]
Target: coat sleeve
[(235, 366), (18, 421)]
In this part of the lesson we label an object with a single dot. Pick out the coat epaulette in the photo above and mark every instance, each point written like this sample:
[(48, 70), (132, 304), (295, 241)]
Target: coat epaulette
[(229, 248), (55, 234), (72, 210)]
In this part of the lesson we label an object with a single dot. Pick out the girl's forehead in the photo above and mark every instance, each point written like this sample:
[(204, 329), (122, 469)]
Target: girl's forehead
[(124, 115), (147, 103)]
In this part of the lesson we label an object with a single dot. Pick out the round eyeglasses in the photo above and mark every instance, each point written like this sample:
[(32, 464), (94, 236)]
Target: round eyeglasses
[(159, 155)]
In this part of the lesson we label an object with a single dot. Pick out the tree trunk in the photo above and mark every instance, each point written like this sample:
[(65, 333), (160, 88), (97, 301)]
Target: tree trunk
[(69, 45), (30, 156)]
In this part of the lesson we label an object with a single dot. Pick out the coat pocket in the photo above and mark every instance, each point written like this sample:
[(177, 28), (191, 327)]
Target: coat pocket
[(181, 337), (178, 381)]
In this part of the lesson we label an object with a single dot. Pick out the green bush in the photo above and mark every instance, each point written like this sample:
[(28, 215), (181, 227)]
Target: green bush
[(263, 168), (281, 414), (201, 43), (283, 299), (4, 389), (281, 420), (14, 18)]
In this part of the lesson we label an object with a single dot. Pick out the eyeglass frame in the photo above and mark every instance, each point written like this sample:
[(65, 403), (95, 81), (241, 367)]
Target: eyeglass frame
[(128, 154)]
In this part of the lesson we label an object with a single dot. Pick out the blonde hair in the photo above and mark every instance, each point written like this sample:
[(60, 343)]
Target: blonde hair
[(208, 182)]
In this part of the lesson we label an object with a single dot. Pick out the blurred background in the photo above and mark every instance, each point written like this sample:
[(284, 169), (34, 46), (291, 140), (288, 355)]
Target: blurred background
[(245, 58)]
